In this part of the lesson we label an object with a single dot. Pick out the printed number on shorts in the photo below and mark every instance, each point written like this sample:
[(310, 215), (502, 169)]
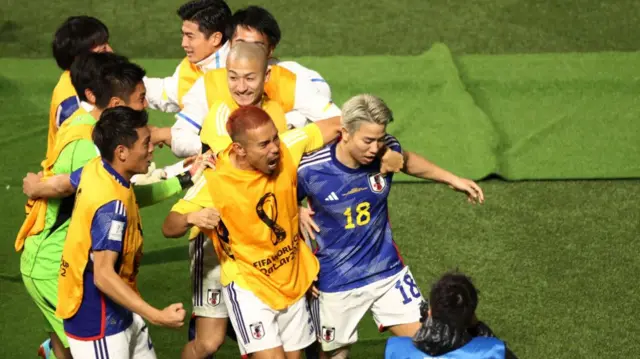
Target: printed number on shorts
[(363, 216), (402, 284)]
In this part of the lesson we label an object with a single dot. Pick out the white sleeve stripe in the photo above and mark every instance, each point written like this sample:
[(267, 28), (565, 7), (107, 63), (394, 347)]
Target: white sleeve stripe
[(195, 189), (222, 116), (313, 163), (311, 159), (294, 136), (318, 153), (121, 209)]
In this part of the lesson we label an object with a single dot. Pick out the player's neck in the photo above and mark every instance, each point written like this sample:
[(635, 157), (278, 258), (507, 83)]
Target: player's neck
[(119, 168), (207, 59), (96, 113), (343, 156)]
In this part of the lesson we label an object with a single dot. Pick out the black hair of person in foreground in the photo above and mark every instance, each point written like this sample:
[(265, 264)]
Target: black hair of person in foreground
[(449, 320)]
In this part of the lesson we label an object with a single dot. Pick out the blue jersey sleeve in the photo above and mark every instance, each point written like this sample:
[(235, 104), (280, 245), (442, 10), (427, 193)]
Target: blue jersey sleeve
[(75, 178), (108, 227), (392, 143), (67, 108)]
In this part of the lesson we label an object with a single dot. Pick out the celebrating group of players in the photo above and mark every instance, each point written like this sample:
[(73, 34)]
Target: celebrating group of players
[(260, 136)]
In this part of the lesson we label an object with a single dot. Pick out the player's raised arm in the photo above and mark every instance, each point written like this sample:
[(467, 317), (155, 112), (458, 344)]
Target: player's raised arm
[(183, 136), (195, 209), (107, 238), (418, 166), (162, 93), (329, 128)]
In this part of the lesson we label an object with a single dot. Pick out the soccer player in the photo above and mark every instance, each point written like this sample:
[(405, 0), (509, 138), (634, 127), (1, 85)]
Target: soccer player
[(445, 332), (99, 302), (299, 92), (360, 267), (248, 65), (205, 44), (109, 80), (76, 36), (266, 268)]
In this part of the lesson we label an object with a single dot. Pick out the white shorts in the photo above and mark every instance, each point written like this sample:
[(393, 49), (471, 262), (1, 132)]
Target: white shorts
[(205, 279), (258, 327), (132, 343), (394, 300)]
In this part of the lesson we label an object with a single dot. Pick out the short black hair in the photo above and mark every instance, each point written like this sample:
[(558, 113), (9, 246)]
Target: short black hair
[(87, 70), (453, 300), (117, 126), (77, 36), (258, 19), (211, 16)]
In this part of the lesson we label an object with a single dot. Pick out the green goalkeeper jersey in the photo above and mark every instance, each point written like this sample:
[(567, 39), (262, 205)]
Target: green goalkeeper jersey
[(41, 255)]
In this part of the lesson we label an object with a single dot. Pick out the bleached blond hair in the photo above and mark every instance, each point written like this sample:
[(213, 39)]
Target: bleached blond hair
[(365, 108)]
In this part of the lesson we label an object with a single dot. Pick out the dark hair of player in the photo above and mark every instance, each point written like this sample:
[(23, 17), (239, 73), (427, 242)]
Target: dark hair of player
[(117, 126), (87, 69), (453, 300), (258, 19), (245, 118), (77, 36), (117, 80), (211, 16)]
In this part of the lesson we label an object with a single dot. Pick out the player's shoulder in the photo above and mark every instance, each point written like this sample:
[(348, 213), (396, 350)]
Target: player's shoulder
[(315, 160), (115, 209)]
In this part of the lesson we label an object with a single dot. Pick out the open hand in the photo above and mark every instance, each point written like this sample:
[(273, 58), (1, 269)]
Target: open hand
[(473, 191)]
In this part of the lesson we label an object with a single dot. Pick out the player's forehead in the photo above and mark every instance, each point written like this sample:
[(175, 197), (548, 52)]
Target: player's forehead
[(144, 134), (249, 34), (139, 89), (244, 66), (190, 27), (266, 132), (370, 130)]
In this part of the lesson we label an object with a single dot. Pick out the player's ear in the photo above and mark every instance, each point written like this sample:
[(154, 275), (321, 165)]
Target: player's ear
[(344, 134), (90, 96), (238, 149), (267, 74), (215, 39), (116, 101), (121, 152)]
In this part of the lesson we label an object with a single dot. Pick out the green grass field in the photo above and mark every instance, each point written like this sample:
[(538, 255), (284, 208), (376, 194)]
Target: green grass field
[(554, 260)]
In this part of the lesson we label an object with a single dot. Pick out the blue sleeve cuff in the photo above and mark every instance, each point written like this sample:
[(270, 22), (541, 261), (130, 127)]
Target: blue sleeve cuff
[(75, 178), (392, 143)]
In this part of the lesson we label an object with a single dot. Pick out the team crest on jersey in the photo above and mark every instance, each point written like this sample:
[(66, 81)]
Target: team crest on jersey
[(377, 183), (328, 334), (257, 330), (213, 297)]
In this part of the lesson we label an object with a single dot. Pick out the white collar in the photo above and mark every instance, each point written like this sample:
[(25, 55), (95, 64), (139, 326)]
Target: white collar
[(216, 60), (86, 106)]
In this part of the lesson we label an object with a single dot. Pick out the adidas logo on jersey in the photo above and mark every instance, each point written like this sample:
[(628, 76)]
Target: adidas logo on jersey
[(332, 197)]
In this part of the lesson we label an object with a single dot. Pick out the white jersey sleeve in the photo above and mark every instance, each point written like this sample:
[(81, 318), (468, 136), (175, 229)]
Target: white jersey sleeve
[(185, 133), (313, 94), (162, 93)]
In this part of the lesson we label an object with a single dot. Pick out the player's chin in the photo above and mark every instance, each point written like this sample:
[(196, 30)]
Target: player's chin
[(367, 160), (245, 99)]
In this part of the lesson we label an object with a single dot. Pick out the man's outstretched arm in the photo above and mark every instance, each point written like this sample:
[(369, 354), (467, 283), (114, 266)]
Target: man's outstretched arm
[(418, 166)]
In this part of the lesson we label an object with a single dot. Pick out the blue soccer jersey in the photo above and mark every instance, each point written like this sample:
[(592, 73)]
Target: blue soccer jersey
[(355, 246)]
